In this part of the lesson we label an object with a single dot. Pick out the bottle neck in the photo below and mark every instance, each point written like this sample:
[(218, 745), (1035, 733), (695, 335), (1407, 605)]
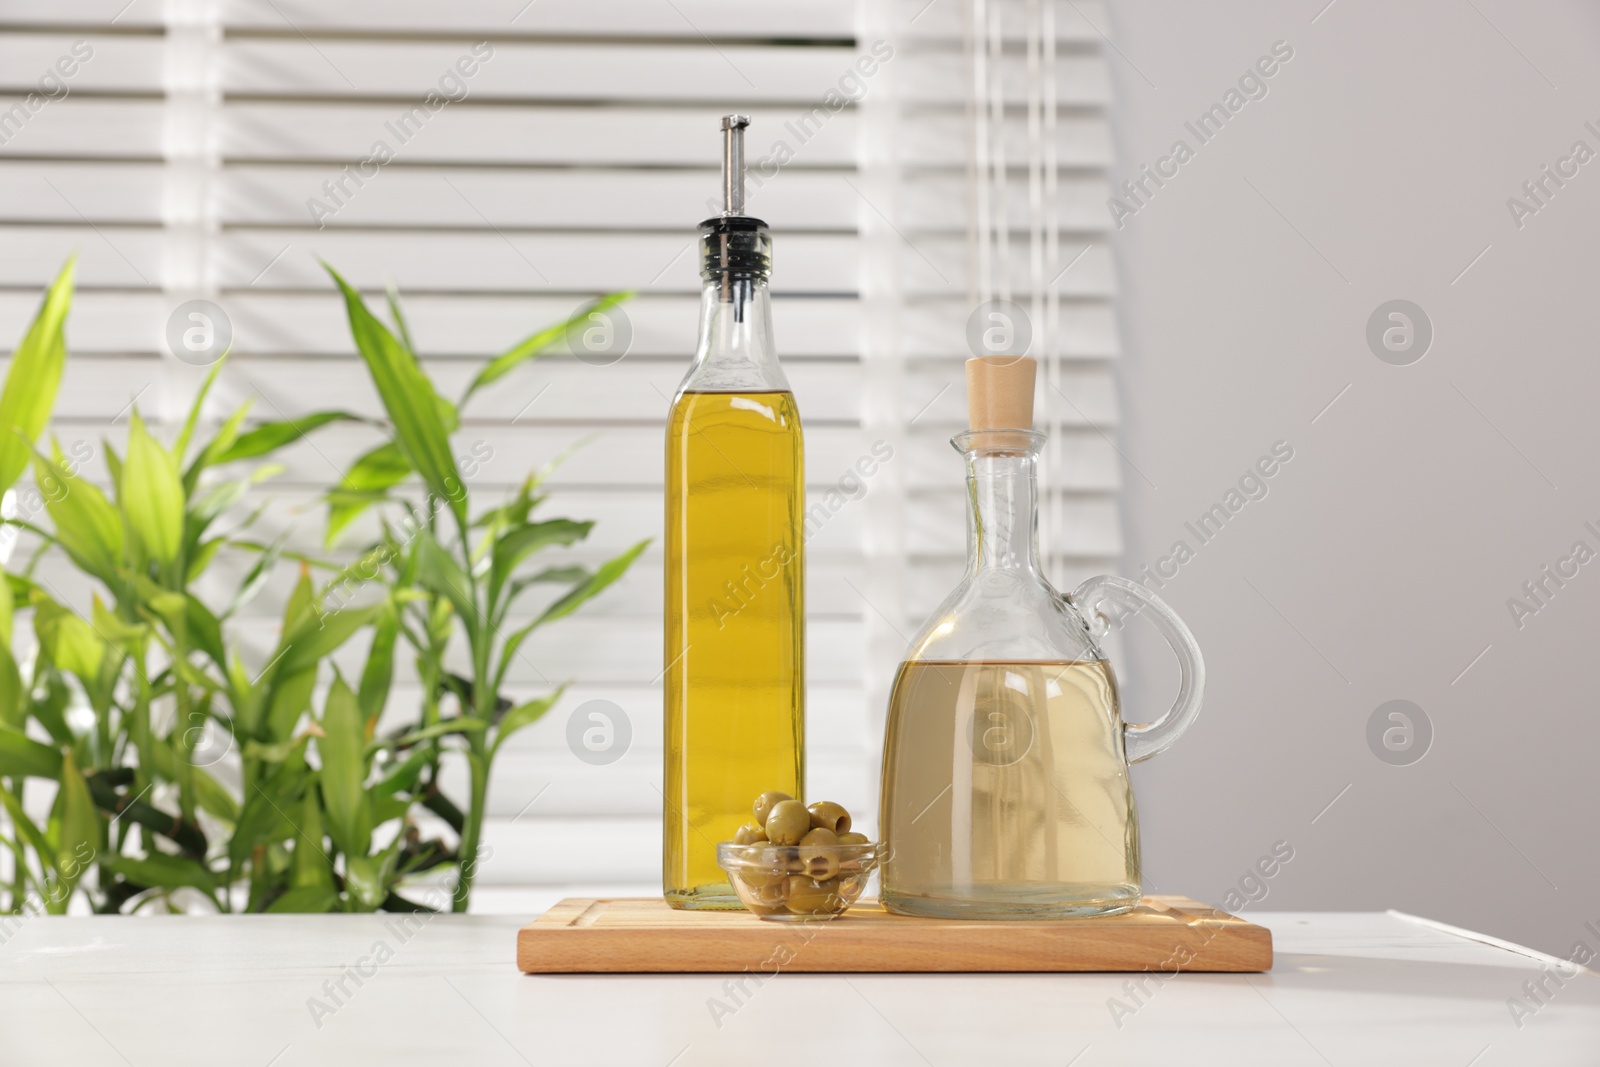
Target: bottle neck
[(1003, 520), (735, 351)]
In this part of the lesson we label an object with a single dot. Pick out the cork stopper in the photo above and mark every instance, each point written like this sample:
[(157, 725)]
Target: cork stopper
[(1000, 392)]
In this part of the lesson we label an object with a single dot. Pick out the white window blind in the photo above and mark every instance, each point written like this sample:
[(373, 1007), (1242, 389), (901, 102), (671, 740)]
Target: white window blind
[(206, 149)]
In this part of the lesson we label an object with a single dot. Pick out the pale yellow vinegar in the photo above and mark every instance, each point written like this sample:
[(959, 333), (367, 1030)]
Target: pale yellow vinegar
[(735, 632), (1006, 792)]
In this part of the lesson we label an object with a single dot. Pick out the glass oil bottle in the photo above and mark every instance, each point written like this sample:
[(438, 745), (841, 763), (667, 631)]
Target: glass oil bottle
[(735, 567), (1006, 792)]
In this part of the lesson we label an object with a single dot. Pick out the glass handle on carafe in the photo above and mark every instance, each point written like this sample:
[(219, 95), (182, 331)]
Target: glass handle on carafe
[(1130, 598)]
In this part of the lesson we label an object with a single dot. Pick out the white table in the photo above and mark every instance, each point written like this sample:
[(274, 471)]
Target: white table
[(1346, 989)]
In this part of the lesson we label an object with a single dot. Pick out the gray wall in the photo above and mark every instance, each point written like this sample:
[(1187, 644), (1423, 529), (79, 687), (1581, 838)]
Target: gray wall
[(1380, 563)]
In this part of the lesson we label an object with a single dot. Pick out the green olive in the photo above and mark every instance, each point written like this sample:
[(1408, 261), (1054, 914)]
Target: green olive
[(755, 877), (853, 839), (766, 802), (749, 834), (774, 894), (807, 896), (819, 854), (830, 816), (788, 822), (823, 866)]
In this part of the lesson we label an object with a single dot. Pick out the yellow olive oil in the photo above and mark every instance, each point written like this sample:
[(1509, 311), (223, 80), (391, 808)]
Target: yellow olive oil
[(1006, 792), (735, 630)]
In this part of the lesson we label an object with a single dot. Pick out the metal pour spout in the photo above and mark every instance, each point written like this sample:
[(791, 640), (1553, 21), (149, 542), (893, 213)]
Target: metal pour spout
[(733, 127)]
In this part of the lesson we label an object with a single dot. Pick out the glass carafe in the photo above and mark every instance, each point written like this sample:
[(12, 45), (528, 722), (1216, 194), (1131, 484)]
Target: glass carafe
[(1006, 792)]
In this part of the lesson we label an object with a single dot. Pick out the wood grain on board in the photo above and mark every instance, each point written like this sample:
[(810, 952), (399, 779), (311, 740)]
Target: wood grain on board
[(1168, 933)]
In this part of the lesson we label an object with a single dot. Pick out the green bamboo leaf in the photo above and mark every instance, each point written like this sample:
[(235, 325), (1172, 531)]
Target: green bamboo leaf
[(288, 698), (301, 605), (409, 399), (226, 436), (592, 586), (274, 752), (213, 797), (378, 673), (71, 643), (152, 494), (260, 573), (367, 877), (307, 900), (271, 436), (7, 609), (365, 568), (113, 463), (186, 619), (163, 871), (310, 868), (441, 575), (548, 576), (216, 501), (523, 715), (508, 651), (387, 808), (28, 828), (24, 591), (130, 637), (315, 638), (553, 576), (608, 572), (521, 542), (202, 556), (34, 379), (367, 481), (243, 687), (404, 777), (514, 513), (196, 407), (449, 414), (49, 708), (163, 603), (80, 822), (538, 343), (205, 631), (344, 772), (439, 729), (264, 818), (13, 694), (23, 757), (86, 523), (194, 674), (391, 293)]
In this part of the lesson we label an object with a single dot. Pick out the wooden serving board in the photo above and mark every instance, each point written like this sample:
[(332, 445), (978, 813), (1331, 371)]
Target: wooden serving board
[(582, 935)]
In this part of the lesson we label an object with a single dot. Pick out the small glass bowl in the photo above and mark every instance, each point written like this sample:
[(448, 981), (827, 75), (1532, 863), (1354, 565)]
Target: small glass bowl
[(797, 883)]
